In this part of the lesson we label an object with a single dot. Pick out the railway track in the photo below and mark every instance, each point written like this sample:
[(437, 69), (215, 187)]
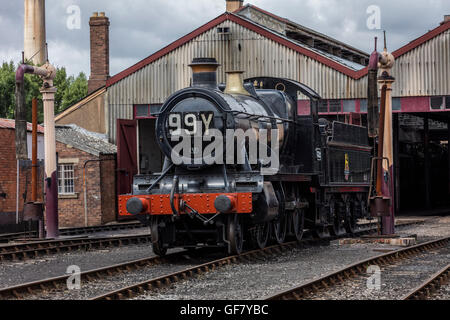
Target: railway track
[(169, 279), (430, 286), (29, 250), (56, 283), (73, 231), (359, 268)]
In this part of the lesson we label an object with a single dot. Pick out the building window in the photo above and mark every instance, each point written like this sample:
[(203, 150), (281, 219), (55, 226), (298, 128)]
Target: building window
[(349, 105), (323, 106), (146, 111), (66, 179), (335, 106), (437, 103)]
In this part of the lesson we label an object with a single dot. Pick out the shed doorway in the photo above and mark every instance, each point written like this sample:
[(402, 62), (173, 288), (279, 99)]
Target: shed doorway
[(151, 158)]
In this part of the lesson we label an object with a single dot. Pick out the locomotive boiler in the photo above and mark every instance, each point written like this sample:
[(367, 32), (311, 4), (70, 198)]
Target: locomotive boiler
[(242, 168)]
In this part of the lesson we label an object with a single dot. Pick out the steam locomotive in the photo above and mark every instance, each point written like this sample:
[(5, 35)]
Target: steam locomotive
[(318, 177)]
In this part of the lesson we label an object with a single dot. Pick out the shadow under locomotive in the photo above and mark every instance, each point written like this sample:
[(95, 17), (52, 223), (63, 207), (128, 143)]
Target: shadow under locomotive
[(322, 182)]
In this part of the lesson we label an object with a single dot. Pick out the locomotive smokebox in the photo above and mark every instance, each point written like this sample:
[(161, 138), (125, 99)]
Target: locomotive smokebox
[(204, 72)]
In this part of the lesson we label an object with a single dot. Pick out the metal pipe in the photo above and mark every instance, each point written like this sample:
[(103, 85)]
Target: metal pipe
[(372, 93), (34, 31), (17, 190), (426, 153), (20, 113), (172, 195), (47, 72), (34, 152), (163, 174), (381, 140)]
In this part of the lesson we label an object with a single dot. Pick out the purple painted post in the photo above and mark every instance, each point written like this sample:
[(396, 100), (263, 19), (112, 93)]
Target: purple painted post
[(51, 181)]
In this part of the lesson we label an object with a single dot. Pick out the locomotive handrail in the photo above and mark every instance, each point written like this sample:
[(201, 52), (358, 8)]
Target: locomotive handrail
[(257, 117), (160, 178)]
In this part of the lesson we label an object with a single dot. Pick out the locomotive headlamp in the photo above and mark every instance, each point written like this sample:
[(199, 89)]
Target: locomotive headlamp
[(136, 205)]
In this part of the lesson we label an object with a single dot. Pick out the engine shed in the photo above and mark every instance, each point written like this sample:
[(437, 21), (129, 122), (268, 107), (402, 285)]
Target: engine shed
[(263, 44)]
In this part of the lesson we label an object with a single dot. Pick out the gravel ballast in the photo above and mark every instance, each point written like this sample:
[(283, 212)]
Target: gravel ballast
[(395, 280), (266, 278), (254, 280)]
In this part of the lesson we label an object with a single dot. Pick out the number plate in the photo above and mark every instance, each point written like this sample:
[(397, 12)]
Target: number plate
[(190, 122)]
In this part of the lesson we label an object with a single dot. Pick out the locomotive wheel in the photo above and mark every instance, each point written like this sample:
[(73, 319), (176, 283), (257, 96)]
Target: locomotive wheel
[(157, 243), (322, 232), (365, 212), (260, 235), (298, 223), (235, 234), (337, 228), (279, 225), (279, 228), (350, 219)]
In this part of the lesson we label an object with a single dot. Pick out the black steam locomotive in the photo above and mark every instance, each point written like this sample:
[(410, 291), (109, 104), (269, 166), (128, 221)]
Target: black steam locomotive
[(318, 177)]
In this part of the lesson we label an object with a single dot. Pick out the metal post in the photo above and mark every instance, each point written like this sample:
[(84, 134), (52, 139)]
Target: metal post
[(34, 152), (448, 154), (51, 185), (17, 190), (396, 165), (426, 151), (387, 61)]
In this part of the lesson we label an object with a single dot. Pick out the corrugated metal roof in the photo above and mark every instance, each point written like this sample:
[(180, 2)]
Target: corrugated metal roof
[(344, 62), (352, 70), (11, 124), (303, 28), (81, 139)]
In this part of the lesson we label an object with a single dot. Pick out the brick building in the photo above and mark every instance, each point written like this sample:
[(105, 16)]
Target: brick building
[(11, 207), (86, 167)]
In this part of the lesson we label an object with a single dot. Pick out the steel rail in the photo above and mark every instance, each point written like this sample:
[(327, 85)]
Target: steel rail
[(21, 290), (114, 227), (430, 286), (75, 231), (169, 279), (355, 269), (33, 249), (5, 237), (60, 282), (93, 229), (30, 250)]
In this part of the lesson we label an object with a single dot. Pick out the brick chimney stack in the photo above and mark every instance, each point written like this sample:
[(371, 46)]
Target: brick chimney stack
[(233, 5), (446, 18), (99, 25)]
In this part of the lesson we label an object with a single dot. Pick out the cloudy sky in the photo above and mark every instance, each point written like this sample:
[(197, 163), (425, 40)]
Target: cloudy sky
[(141, 27)]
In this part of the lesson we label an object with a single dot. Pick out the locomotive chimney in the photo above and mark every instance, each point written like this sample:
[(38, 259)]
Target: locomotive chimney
[(235, 84), (233, 5), (204, 72), (99, 25)]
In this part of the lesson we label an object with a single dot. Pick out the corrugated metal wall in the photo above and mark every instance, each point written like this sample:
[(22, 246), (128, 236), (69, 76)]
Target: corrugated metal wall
[(260, 56), (424, 71), (241, 50)]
